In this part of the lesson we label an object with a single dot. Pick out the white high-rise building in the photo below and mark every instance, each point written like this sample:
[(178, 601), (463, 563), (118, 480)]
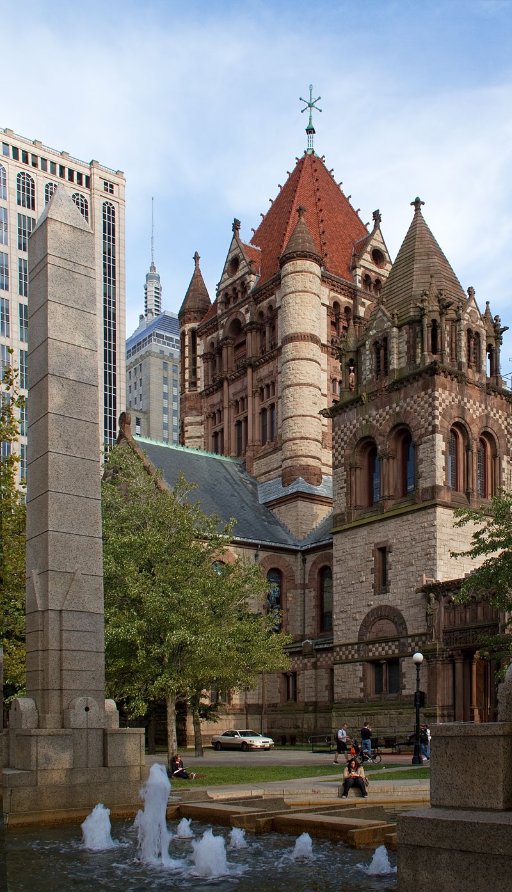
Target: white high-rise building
[(30, 172), (153, 367)]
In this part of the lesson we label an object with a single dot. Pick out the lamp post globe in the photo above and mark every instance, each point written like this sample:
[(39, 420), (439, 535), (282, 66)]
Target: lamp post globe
[(417, 659)]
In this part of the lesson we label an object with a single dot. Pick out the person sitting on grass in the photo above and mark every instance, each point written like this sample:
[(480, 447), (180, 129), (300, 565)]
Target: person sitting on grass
[(178, 769), (354, 776)]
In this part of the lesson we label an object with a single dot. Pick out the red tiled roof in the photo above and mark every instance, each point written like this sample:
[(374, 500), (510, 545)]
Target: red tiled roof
[(331, 220), (252, 253)]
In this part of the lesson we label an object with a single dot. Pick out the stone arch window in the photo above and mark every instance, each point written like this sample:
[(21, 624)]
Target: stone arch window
[(237, 333), (491, 361), (434, 337), (377, 287), (25, 191), (383, 627), (262, 333), (325, 599), (272, 328), (477, 351), (3, 183), (192, 359), (457, 445), (486, 459), (380, 353), (82, 204), (275, 596), (470, 348), (367, 282), (335, 320), (49, 191), (368, 475), (405, 463)]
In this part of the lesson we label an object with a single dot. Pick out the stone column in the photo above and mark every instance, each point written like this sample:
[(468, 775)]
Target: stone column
[(65, 647)]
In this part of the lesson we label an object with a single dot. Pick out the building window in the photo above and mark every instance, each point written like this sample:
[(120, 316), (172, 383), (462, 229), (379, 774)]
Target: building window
[(192, 368), (25, 191), (49, 191), (23, 462), (3, 183), (381, 357), (23, 321), (4, 271), (326, 599), (108, 187), (4, 240), (406, 464), (380, 569), (109, 323), (137, 425), (485, 467), (5, 325), (291, 686), (374, 476), (386, 677), (25, 228), (263, 427), (457, 479), (23, 420), (23, 369), (23, 276), (274, 596), (82, 205)]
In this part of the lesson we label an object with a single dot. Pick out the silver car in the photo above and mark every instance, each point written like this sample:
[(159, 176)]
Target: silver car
[(241, 740)]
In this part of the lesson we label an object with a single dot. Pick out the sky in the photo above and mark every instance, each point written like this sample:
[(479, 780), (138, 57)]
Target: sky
[(198, 104)]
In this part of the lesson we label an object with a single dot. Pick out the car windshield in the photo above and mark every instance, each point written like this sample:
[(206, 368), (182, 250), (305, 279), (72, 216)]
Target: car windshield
[(249, 734)]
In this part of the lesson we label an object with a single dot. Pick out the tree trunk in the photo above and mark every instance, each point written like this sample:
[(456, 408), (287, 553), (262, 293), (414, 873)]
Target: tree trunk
[(172, 742), (198, 739)]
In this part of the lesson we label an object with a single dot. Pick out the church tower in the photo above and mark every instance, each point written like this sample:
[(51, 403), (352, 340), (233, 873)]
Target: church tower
[(264, 363), (422, 427)]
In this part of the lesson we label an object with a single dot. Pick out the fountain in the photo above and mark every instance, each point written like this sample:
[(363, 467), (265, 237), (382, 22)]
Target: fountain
[(237, 839), (96, 830), (209, 855), (380, 865), (303, 850), (184, 831), (151, 825)]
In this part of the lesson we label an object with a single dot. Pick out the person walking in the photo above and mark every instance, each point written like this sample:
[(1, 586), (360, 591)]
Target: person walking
[(342, 740), (354, 776), (366, 738)]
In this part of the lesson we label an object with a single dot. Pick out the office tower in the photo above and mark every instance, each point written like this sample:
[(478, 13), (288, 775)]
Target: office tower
[(30, 172)]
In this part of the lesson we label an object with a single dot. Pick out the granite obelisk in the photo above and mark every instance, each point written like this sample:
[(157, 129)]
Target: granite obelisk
[(66, 751)]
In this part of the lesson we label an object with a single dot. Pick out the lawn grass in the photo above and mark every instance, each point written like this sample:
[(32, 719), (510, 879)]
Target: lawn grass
[(405, 773), (217, 775)]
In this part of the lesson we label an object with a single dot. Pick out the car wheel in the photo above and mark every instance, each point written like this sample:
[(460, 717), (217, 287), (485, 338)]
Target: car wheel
[(217, 746), (244, 747)]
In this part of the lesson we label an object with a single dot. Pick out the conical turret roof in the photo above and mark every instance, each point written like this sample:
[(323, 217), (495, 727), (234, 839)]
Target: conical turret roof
[(197, 299), (301, 243), (420, 265), (333, 224)]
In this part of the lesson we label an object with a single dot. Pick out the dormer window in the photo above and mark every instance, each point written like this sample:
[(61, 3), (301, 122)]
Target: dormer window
[(233, 265), (381, 357), (378, 257)]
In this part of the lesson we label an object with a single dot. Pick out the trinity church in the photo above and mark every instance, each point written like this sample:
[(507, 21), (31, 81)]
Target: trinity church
[(340, 405)]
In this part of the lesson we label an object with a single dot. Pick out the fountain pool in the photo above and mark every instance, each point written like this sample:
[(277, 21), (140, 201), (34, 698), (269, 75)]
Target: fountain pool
[(55, 859)]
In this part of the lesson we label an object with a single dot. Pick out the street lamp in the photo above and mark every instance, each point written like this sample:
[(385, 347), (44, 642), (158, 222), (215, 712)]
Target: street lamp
[(417, 659)]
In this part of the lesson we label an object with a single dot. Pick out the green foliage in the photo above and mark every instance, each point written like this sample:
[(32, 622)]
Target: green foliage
[(492, 581), (12, 541), (492, 540), (175, 624)]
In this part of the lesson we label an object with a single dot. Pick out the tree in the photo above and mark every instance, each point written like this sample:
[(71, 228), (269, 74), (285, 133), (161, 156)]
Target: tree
[(492, 580), (177, 620), (12, 540)]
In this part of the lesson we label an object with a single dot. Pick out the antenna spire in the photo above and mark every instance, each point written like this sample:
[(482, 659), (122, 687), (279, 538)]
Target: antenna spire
[(152, 231), (311, 104)]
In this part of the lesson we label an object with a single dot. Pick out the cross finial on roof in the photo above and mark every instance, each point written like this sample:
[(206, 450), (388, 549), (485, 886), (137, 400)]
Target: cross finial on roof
[(377, 217), (196, 259), (311, 104), (236, 225), (416, 204)]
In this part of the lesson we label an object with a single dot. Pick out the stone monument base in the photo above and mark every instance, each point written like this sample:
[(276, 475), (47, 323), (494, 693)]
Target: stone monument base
[(49, 779), (454, 849)]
